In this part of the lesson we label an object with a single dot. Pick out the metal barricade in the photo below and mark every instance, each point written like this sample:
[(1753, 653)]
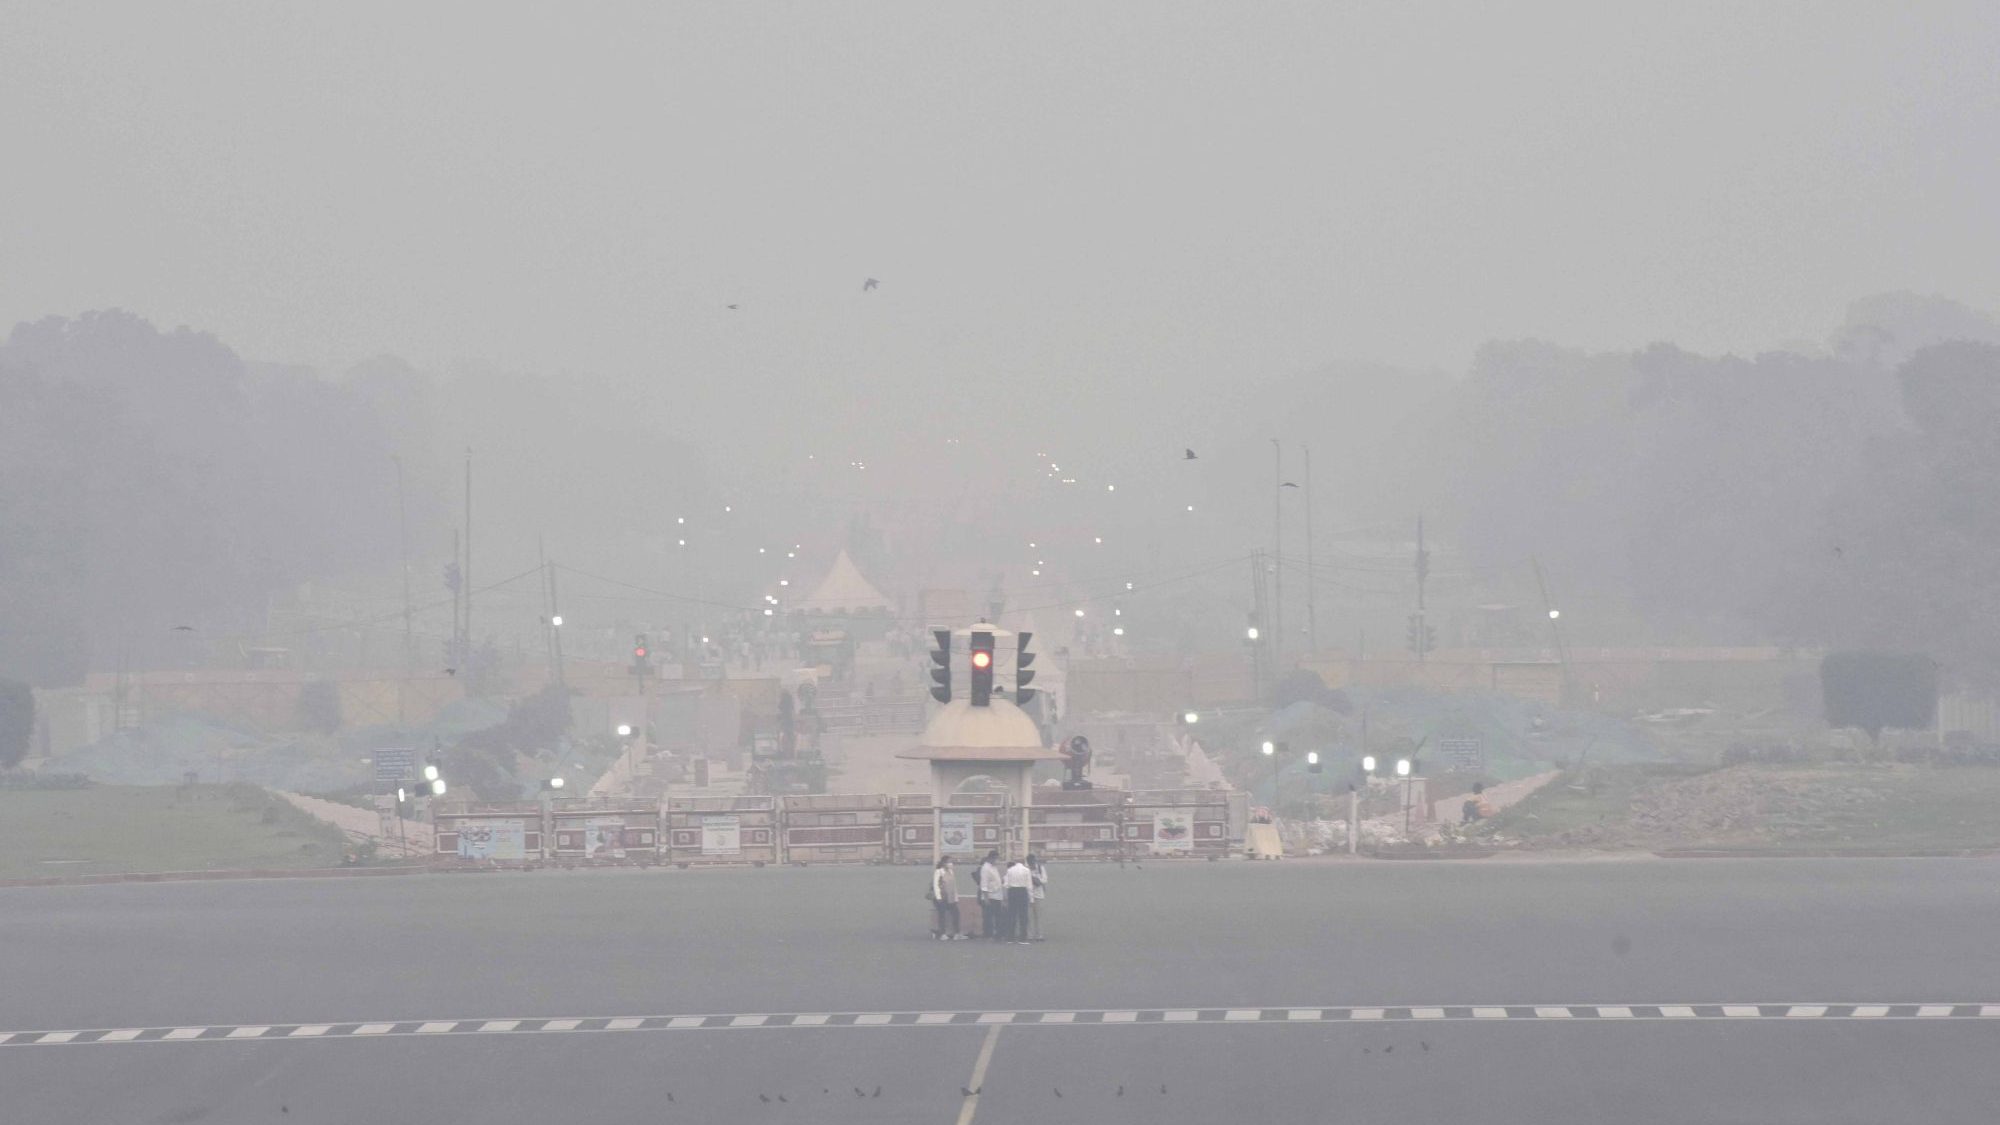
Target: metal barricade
[(973, 824), (605, 830), (1177, 823), (504, 834), (722, 830), (1075, 823), (836, 828)]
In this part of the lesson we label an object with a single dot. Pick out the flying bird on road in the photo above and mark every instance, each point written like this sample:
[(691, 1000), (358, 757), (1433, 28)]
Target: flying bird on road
[(869, 284)]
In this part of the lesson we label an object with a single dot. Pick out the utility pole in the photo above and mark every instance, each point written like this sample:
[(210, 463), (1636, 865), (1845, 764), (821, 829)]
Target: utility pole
[(466, 575), (456, 657), (409, 614), (1312, 608), (1423, 573), (1259, 672), (1277, 622), (1555, 629)]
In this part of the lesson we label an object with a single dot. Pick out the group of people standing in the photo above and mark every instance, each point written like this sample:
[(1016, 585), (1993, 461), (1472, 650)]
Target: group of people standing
[(1010, 899)]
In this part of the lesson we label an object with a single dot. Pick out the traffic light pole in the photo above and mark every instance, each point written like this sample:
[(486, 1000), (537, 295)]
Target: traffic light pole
[(1353, 819)]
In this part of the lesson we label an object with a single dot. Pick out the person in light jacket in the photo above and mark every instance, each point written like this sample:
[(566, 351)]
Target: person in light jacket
[(1019, 884), (1036, 893), (944, 896), (992, 897)]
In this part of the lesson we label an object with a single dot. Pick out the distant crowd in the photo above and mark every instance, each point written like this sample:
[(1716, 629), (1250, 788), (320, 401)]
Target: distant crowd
[(1009, 899)]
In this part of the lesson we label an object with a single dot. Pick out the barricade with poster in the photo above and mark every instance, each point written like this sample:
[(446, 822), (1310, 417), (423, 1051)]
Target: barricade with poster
[(1177, 823), (970, 823), (722, 830), (605, 831), (502, 834), (1073, 824), (836, 828)]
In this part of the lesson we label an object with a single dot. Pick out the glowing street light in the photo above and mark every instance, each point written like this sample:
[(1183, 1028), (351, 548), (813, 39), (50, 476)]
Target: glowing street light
[(1251, 632), (430, 773), (1269, 748), (556, 621), (1190, 717), (1119, 631), (1402, 767), (1554, 614), (1368, 763), (1079, 612), (624, 730)]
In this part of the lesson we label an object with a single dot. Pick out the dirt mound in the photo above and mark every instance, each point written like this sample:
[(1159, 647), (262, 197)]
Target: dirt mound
[(1746, 802)]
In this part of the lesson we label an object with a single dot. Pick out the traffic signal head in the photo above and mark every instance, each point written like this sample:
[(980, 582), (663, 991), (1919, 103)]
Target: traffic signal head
[(982, 668), (641, 655), (941, 666), (1023, 675)]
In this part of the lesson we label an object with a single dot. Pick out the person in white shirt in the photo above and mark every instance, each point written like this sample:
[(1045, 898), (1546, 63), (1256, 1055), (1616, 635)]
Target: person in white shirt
[(1036, 894), (992, 897), (944, 896), (1020, 885)]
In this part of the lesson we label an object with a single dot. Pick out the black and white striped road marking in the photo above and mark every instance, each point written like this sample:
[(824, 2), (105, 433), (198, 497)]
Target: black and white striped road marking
[(239, 1033)]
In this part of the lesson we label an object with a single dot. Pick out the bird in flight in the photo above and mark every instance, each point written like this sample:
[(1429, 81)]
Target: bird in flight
[(1187, 455), (732, 306), (1288, 484), (183, 628), (871, 283)]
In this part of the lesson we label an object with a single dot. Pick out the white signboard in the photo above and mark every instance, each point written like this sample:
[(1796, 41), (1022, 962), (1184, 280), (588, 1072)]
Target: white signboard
[(955, 833), (1173, 831), (604, 838), (721, 835), (493, 839)]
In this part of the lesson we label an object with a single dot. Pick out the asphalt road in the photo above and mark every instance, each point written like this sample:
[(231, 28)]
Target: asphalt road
[(1243, 951)]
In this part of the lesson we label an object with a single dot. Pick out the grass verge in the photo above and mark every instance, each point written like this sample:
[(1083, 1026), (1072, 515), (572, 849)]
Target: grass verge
[(129, 828)]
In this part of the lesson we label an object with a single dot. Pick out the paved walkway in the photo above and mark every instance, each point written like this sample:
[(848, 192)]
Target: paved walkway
[(365, 824), (1450, 809)]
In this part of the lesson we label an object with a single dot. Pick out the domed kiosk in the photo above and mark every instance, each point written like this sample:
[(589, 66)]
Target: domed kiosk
[(980, 737)]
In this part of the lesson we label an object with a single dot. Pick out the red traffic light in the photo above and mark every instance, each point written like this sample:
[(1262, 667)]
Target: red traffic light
[(639, 653), (982, 659)]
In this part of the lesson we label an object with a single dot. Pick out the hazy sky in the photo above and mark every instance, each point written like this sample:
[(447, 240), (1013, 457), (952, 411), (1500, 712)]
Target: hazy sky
[(1122, 197)]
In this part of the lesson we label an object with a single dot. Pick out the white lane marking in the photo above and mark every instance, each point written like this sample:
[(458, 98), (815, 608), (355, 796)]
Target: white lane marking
[(979, 1076), (1000, 1019)]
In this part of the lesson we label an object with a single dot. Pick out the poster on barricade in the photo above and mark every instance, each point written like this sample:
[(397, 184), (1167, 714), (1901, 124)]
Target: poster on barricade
[(955, 833), (493, 839), (1173, 832), (721, 835), (604, 838)]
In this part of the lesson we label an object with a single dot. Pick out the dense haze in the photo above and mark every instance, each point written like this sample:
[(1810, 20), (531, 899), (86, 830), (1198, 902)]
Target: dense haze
[(1440, 248)]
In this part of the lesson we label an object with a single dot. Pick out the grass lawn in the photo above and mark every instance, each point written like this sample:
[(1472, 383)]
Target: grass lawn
[(125, 828), (1834, 805)]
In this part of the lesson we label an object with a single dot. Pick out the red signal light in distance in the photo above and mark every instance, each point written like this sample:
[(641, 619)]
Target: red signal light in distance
[(982, 660)]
